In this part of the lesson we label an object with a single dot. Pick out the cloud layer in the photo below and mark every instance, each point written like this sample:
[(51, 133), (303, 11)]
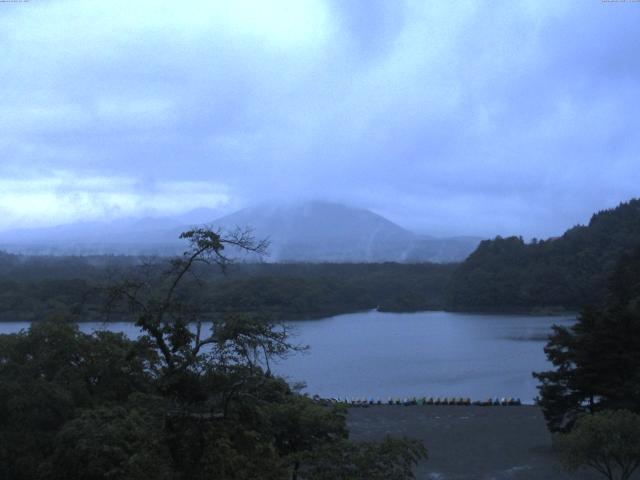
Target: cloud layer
[(449, 117)]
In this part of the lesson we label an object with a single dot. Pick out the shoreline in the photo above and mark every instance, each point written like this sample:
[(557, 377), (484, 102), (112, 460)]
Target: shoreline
[(315, 316)]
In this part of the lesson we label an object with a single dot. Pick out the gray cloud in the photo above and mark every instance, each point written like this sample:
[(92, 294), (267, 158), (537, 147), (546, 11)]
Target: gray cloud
[(449, 117)]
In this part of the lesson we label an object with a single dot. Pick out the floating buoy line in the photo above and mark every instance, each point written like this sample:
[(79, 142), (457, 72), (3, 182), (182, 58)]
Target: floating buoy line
[(365, 402)]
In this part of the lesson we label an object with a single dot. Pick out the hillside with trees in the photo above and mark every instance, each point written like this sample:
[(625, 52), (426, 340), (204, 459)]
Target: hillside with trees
[(567, 272)]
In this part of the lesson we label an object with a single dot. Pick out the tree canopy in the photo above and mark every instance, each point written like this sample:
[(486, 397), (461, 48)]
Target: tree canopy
[(597, 361), (608, 442), (567, 272), (33, 287), (176, 403)]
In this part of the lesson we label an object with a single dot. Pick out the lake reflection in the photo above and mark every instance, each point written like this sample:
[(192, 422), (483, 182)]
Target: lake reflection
[(373, 354)]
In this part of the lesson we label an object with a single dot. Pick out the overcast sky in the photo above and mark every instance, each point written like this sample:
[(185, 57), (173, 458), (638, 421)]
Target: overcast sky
[(448, 117)]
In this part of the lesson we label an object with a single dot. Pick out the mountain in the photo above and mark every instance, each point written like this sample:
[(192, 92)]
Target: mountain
[(304, 232), (563, 272), (121, 236), (330, 232), (198, 216)]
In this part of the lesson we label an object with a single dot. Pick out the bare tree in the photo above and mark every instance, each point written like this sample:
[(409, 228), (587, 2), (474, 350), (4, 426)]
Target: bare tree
[(152, 295)]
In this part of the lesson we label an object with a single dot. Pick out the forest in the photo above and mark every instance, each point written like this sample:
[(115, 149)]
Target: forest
[(502, 275), (35, 287), (175, 403), (566, 272)]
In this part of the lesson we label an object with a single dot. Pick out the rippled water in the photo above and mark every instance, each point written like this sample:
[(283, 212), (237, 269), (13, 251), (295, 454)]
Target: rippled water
[(373, 354)]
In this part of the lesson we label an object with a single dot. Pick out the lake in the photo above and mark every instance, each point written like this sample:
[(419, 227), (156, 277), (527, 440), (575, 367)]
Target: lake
[(375, 354)]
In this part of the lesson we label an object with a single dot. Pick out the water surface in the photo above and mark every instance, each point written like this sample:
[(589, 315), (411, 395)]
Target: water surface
[(374, 354), (422, 354)]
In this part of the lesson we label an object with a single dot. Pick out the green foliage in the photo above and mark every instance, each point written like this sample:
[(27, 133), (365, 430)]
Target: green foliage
[(597, 361), (252, 341), (298, 426), (32, 288), (78, 406), (608, 442), (177, 403), (49, 375), (109, 442), (568, 272)]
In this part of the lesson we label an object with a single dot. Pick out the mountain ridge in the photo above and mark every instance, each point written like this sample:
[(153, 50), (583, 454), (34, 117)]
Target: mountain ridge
[(313, 231), (322, 231)]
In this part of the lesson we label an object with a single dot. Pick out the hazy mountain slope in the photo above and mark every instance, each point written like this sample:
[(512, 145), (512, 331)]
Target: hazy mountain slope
[(127, 236), (306, 232), (569, 271), (123, 236), (331, 232)]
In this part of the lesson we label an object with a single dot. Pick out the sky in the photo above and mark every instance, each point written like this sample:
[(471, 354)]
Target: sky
[(449, 117)]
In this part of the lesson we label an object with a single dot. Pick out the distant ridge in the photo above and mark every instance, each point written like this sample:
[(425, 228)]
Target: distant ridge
[(315, 231)]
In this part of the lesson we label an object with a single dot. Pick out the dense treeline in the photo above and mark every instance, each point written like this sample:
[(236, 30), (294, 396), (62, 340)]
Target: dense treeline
[(295, 291), (566, 272), (34, 287)]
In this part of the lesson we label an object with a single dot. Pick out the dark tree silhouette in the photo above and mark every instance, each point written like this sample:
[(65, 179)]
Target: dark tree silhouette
[(154, 297), (608, 442), (597, 361)]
